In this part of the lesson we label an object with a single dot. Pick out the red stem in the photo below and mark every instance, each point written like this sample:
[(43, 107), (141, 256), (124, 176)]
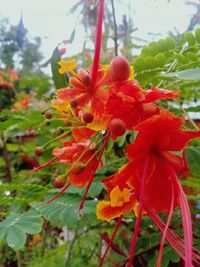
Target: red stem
[(60, 193), (111, 240), (44, 165), (97, 43)]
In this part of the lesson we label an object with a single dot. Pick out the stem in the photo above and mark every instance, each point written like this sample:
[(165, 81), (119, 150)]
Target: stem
[(115, 28), (111, 240), (55, 139), (98, 43), (6, 158), (189, 119), (19, 258)]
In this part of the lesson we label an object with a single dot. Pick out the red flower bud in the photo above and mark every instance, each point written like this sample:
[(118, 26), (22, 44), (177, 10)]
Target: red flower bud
[(86, 80), (38, 151), (73, 103), (48, 114), (117, 127), (78, 169), (88, 117), (119, 69), (62, 51), (59, 182)]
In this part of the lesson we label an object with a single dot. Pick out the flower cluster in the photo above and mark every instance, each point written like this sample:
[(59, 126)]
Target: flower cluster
[(101, 103), (7, 78)]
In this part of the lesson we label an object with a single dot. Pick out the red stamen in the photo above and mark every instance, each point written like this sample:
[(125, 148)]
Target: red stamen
[(172, 238), (111, 240), (159, 260), (139, 217), (92, 178), (44, 165), (58, 194), (98, 43), (186, 219)]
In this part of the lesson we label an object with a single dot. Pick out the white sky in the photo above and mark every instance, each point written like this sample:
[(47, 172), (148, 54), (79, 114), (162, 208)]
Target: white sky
[(51, 19)]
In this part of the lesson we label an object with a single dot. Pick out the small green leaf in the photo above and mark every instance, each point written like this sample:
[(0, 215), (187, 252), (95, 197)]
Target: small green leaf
[(174, 257), (189, 37), (60, 81), (16, 226), (191, 74), (197, 34), (193, 157), (64, 209), (16, 237)]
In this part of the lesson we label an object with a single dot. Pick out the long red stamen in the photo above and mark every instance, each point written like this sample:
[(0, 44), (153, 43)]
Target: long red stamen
[(60, 193), (139, 217), (98, 43), (172, 238), (186, 218), (92, 178), (159, 260), (44, 165), (111, 240)]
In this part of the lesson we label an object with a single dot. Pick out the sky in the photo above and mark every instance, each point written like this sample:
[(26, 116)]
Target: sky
[(52, 21)]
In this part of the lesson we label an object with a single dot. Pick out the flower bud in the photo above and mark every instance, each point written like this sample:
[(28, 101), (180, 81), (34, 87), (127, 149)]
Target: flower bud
[(88, 117), (59, 182), (73, 103), (86, 80), (38, 151), (117, 127), (48, 114), (78, 169), (119, 69)]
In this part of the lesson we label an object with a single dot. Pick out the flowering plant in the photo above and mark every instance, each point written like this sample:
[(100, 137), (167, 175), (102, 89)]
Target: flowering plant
[(103, 103)]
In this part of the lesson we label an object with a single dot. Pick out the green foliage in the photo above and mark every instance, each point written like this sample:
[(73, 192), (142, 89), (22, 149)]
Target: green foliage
[(52, 258), (193, 157), (174, 57), (191, 74), (15, 227), (60, 81), (64, 210)]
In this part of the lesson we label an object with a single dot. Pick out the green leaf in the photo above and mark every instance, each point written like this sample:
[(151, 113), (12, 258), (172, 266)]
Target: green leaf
[(191, 74), (193, 157), (197, 34), (64, 210), (189, 37), (60, 81), (174, 257), (16, 237), (15, 227)]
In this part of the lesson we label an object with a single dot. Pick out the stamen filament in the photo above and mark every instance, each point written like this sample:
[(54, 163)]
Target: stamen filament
[(98, 43), (159, 260), (111, 240), (139, 217)]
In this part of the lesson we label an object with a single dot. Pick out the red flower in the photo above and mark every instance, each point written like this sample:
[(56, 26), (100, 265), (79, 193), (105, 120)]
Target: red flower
[(152, 175), (135, 104)]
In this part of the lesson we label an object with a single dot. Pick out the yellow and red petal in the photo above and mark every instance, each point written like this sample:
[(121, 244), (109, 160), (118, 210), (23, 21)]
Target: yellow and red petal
[(119, 197), (105, 211)]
